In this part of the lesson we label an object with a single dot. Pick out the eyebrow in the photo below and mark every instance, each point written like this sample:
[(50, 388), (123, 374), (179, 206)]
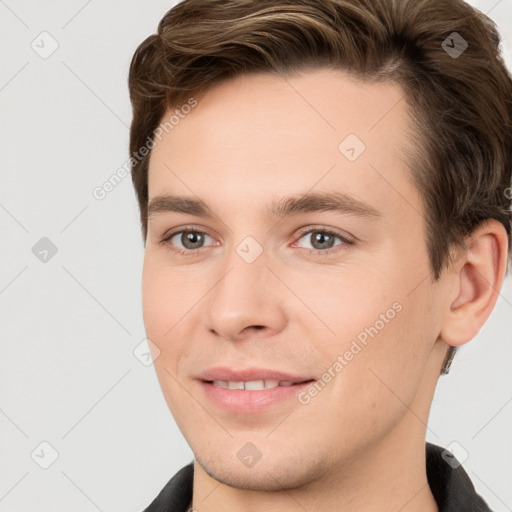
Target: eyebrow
[(338, 202)]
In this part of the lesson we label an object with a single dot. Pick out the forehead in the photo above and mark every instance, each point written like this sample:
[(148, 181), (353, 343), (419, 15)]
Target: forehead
[(264, 134)]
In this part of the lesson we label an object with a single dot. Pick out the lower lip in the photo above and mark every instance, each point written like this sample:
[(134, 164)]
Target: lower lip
[(242, 400)]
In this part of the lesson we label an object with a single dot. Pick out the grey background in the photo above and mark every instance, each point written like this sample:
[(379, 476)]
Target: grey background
[(68, 373)]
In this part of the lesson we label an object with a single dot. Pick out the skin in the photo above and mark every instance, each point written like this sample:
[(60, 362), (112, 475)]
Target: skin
[(359, 444)]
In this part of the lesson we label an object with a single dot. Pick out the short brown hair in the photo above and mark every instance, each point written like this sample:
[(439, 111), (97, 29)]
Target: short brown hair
[(461, 105)]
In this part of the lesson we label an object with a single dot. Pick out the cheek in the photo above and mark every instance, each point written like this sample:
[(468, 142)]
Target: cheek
[(170, 308), (381, 334), (343, 304), (164, 307), (155, 302), (162, 304), (165, 292)]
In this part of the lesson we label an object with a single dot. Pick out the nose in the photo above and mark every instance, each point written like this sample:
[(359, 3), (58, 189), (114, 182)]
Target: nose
[(246, 301)]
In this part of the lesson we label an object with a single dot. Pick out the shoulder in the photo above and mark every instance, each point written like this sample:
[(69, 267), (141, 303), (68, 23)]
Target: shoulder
[(450, 484)]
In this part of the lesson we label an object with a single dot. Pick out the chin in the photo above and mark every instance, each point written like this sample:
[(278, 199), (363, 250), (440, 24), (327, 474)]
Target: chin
[(269, 475)]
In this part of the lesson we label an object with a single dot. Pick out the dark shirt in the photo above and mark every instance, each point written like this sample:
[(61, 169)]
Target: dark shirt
[(449, 482)]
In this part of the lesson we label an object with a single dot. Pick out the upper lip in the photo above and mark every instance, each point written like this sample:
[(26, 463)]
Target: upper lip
[(249, 374)]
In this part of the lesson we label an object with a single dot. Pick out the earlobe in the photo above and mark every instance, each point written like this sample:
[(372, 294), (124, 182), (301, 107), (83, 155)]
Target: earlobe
[(478, 277)]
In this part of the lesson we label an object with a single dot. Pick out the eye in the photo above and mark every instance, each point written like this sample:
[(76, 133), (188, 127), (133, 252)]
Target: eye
[(192, 240), (323, 240)]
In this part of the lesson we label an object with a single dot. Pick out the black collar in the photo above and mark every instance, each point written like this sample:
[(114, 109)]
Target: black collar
[(449, 482)]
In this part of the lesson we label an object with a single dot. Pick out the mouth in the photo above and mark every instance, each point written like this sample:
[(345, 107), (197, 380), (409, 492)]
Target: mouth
[(256, 385), (251, 390)]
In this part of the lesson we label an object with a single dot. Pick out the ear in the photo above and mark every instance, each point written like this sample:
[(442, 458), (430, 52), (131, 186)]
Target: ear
[(477, 277)]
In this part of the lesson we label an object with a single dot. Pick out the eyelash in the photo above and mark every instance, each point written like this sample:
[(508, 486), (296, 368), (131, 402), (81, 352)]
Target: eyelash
[(192, 229)]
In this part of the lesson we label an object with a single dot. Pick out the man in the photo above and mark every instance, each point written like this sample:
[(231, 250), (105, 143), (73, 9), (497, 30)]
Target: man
[(324, 191)]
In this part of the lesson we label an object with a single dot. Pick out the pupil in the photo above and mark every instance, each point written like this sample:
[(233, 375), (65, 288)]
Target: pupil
[(192, 238), (323, 240)]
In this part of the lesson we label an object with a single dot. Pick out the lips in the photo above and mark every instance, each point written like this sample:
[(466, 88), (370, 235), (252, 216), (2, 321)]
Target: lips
[(250, 390)]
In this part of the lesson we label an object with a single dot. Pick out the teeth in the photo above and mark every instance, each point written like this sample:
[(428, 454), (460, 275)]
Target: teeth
[(255, 385)]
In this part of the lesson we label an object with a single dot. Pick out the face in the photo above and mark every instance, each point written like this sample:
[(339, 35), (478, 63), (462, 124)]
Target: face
[(271, 286)]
